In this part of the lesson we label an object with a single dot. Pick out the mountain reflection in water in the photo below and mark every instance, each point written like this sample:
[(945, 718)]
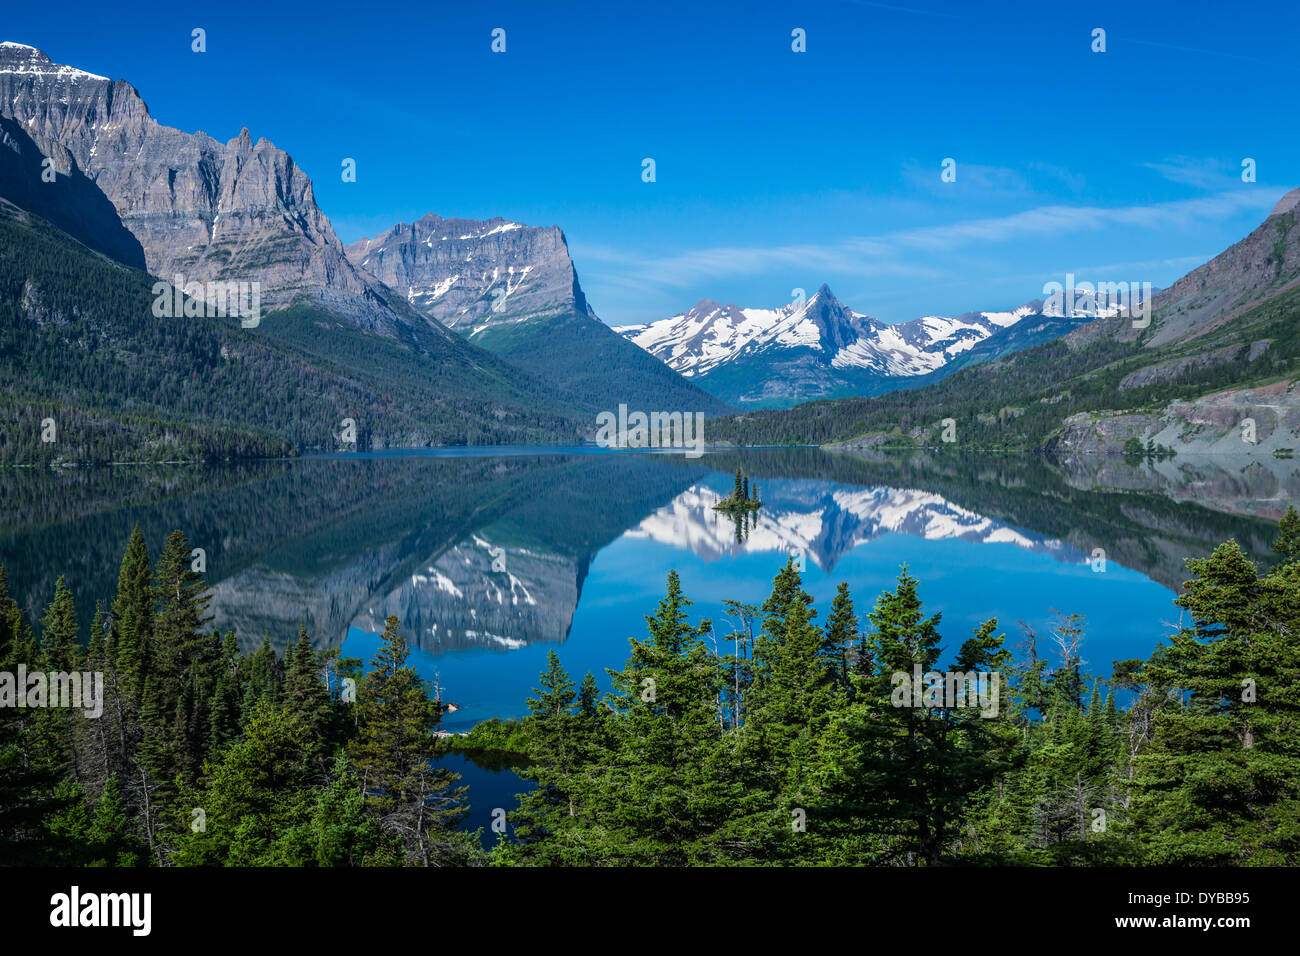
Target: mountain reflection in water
[(488, 560)]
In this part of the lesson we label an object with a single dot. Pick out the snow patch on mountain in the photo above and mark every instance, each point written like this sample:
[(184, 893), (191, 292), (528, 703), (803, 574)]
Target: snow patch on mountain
[(24, 59)]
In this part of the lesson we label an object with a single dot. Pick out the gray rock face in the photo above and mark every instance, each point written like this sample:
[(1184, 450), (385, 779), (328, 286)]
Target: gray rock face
[(1168, 371), (1253, 422), (71, 201), (207, 210), (472, 275), (512, 290), (1263, 264)]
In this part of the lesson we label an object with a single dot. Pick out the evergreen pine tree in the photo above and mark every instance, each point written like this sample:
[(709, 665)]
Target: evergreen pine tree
[(1288, 539), (549, 810), (392, 755), (131, 615), (664, 793), (184, 663), (305, 695), (60, 648), (1219, 782), (841, 637)]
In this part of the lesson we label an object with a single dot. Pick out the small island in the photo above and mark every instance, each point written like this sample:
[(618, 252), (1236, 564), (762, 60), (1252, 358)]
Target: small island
[(744, 500)]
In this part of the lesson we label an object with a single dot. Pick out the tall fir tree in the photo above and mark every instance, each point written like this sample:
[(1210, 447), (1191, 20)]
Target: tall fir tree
[(131, 618), (1219, 782), (392, 753)]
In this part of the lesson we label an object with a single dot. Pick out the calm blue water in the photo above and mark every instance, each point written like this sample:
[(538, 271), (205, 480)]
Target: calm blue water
[(968, 581), (490, 788)]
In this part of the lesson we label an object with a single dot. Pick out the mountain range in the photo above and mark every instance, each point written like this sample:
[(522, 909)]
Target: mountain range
[(513, 290), (97, 194), (775, 358), (454, 331), (1211, 367)]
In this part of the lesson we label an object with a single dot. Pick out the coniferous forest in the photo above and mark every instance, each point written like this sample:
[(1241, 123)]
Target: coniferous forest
[(791, 746)]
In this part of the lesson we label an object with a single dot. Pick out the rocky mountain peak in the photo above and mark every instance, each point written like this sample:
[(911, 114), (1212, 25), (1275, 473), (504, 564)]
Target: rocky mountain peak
[(15, 53), (474, 274), (196, 207), (1261, 265), (1286, 203), (809, 349), (26, 60), (825, 294)]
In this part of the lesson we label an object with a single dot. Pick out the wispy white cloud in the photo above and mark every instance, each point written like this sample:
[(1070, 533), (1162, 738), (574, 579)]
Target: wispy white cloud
[(1136, 270), (1190, 171), (1061, 174), (1057, 220), (879, 254), (989, 181)]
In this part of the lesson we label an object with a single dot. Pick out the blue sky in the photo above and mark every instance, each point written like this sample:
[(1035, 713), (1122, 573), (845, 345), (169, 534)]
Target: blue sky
[(775, 169)]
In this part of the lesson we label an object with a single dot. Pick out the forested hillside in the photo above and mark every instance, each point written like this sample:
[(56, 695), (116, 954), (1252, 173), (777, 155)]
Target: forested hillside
[(80, 345)]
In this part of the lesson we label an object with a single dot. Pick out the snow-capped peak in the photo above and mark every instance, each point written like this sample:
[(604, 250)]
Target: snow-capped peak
[(21, 59), (709, 335)]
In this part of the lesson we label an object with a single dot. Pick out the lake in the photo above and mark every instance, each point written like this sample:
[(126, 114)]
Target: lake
[(490, 557)]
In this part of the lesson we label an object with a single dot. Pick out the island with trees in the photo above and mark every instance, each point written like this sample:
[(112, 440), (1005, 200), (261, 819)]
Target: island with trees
[(744, 499)]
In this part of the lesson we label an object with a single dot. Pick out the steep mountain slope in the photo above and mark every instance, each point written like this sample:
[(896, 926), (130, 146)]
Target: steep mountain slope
[(199, 208), (71, 201), (1228, 325), (79, 344), (823, 349), (513, 289)]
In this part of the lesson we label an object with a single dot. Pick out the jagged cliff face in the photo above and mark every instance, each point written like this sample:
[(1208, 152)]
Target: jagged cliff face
[(513, 290), (1251, 423), (207, 210), (472, 275)]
